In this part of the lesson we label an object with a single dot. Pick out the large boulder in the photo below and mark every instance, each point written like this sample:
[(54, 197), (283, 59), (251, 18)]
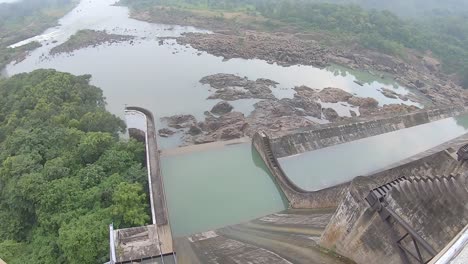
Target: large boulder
[(180, 121), (165, 132), (330, 114), (364, 102), (333, 95), (389, 93), (194, 130), (222, 108)]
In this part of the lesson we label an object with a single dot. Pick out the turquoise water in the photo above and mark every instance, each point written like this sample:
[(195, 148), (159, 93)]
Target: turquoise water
[(326, 167), (214, 188), (225, 186)]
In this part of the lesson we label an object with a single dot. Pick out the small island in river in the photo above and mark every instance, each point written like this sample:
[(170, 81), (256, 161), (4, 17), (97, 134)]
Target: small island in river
[(88, 38)]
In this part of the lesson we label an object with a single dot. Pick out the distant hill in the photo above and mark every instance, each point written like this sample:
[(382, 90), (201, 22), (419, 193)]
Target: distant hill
[(409, 8)]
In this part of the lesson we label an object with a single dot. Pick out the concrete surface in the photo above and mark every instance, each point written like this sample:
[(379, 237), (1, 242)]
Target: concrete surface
[(286, 237), (156, 239), (307, 139)]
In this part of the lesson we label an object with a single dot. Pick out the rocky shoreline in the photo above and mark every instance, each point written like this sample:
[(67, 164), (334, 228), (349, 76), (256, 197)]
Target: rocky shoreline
[(286, 49), (247, 38), (89, 38), (270, 114), (278, 48)]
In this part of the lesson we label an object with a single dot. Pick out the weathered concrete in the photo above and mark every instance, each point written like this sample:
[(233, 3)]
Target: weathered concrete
[(286, 237), (420, 164), (434, 207), (156, 239), (137, 243), (456, 252), (297, 197), (312, 138)]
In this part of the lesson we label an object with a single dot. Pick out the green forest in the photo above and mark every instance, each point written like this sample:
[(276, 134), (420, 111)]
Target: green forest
[(64, 173), (25, 19), (444, 33)]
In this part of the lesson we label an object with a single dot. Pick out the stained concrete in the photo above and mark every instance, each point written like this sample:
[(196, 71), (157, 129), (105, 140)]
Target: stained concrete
[(311, 138), (285, 237), (156, 239), (433, 206), (297, 197)]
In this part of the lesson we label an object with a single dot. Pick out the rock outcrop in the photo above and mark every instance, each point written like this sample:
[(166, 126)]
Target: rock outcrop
[(230, 87), (221, 108)]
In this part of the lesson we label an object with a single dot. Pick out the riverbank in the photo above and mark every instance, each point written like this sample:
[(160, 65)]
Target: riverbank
[(239, 35), (21, 20)]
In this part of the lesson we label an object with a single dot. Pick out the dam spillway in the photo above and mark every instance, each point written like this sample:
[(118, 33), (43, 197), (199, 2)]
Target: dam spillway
[(219, 185), (227, 185)]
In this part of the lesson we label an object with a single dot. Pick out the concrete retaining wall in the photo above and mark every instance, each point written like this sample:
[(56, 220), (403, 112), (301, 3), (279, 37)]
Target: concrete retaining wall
[(436, 161), (297, 197), (304, 140), (154, 168), (430, 207)]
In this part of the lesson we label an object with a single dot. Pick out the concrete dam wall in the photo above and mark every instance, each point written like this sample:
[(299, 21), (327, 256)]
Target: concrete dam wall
[(435, 161), (432, 207), (308, 139), (297, 197)]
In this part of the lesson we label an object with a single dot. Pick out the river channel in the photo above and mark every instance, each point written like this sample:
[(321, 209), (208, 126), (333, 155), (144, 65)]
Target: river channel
[(165, 78), (213, 188)]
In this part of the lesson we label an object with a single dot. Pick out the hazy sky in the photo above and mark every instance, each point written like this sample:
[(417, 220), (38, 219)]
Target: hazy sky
[(8, 1)]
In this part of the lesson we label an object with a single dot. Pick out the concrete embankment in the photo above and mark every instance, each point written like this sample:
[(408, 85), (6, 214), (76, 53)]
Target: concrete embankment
[(152, 241), (308, 139)]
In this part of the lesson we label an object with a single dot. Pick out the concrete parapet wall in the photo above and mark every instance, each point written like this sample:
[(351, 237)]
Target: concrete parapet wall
[(154, 169), (154, 240), (308, 139)]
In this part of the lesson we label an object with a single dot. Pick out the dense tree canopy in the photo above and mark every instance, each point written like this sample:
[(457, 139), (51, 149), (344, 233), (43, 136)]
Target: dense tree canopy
[(64, 173), (24, 19)]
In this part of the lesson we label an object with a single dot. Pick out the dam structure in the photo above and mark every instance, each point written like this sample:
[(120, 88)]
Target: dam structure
[(152, 242), (410, 211)]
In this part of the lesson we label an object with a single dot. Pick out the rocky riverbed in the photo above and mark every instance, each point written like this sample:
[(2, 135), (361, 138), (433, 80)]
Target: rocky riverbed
[(279, 48), (270, 114), (89, 38), (286, 49)]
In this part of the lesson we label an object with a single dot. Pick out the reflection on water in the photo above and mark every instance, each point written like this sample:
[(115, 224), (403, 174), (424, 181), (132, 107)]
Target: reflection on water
[(165, 78), (215, 188), (337, 164)]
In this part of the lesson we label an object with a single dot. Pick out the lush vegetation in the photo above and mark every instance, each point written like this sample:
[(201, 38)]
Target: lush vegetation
[(443, 33), (64, 173), (25, 19), (409, 8)]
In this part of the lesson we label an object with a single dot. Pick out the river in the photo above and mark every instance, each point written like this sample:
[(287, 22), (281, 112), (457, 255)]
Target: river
[(214, 188), (224, 186), (165, 78)]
